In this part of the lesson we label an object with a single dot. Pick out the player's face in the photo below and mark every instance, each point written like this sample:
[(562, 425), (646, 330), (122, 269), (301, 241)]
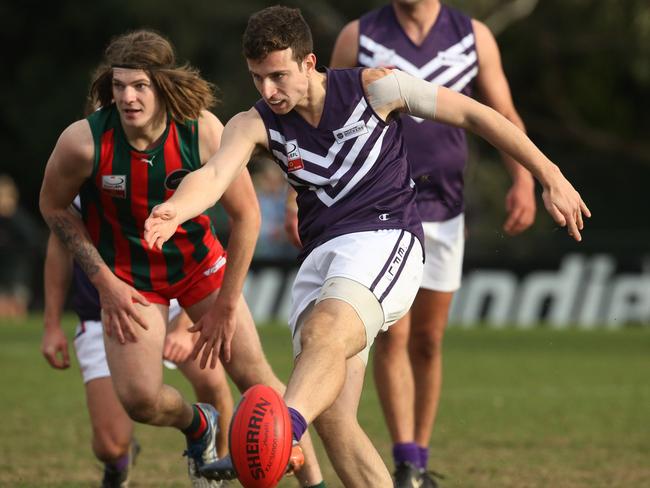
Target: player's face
[(281, 80), (135, 97)]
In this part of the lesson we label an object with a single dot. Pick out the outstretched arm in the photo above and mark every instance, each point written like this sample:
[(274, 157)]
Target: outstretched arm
[(392, 90), (202, 188), (494, 91), (217, 327)]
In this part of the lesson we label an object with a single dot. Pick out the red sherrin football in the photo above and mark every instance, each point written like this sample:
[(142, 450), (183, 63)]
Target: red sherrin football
[(260, 438)]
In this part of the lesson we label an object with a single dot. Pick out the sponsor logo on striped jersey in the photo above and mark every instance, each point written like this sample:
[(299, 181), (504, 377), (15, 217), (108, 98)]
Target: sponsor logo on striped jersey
[(114, 185)]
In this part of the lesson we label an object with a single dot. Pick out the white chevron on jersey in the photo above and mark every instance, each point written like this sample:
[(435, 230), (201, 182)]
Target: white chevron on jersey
[(322, 161), (321, 183), (453, 71), (462, 82), (423, 72), (430, 67), (367, 165), (358, 145)]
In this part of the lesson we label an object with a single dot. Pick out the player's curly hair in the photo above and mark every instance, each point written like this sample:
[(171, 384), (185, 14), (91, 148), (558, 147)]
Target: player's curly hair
[(276, 29), (181, 88)]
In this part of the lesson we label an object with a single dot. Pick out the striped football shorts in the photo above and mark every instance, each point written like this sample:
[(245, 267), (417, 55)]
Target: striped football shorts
[(387, 263)]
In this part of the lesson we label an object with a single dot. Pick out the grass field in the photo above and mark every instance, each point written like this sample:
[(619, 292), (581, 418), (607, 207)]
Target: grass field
[(537, 408)]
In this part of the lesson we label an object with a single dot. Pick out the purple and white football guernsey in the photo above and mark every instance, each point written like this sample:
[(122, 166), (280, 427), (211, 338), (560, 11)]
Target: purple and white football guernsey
[(350, 172), (85, 298), (447, 56)]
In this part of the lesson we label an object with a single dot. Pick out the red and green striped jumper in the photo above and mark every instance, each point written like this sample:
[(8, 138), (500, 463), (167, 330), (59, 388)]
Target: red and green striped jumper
[(125, 185)]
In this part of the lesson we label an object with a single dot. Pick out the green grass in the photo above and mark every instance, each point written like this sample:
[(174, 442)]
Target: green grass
[(519, 409)]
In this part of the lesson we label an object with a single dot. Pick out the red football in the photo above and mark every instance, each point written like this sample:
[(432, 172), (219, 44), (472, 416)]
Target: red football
[(260, 438)]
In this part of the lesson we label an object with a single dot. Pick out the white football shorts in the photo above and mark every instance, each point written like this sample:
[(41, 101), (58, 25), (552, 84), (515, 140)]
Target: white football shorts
[(444, 248), (89, 346), (388, 263)]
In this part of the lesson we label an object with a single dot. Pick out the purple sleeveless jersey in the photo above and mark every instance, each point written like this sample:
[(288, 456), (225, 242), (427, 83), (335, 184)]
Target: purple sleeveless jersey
[(350, 172), (447, 56), (85, 299)]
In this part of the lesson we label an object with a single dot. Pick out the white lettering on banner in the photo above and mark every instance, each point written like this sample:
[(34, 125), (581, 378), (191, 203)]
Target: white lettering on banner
[(500, 286), (561, 287), (630, 300), (583, 292)]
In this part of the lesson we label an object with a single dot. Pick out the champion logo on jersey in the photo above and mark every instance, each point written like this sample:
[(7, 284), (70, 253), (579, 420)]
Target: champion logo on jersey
[(350, 131), (114, 185), (294, 160)]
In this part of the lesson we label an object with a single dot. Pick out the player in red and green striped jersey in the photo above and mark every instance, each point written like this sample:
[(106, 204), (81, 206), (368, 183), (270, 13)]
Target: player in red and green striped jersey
[(151, 127)]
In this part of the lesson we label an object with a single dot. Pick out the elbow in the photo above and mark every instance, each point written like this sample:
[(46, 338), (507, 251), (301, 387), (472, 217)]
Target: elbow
[(255, 222), (45, 209), (42, 205)]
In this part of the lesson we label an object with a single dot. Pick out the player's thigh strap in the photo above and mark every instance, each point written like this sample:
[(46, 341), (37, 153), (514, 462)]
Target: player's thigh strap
[(364, 302)]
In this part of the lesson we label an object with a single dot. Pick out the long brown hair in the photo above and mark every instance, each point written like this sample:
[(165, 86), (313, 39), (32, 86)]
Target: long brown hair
[(181, 88)]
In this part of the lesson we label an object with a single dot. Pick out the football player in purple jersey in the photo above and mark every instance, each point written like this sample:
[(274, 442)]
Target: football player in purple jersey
[(435, 42), (336, 135)]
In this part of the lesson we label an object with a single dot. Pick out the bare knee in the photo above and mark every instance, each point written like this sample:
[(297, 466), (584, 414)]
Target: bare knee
[(111, 442), (211, 387), (108, 450), (142, 407), (426, 341), (316, 336), (389, 344), (253, 372)]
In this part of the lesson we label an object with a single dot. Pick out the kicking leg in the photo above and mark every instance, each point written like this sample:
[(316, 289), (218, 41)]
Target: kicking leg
[(248, 366), (333, 332), (353, 456)]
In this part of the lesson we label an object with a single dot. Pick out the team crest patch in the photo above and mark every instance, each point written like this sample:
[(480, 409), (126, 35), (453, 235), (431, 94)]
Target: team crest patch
[(174, 178), (350, 131), (294, 160), (114, 185)]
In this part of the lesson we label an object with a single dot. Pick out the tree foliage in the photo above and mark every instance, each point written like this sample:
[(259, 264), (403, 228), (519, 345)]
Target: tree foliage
[(579, 70)]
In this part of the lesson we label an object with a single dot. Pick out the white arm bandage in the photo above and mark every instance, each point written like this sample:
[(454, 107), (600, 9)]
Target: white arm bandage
[(418, 96)]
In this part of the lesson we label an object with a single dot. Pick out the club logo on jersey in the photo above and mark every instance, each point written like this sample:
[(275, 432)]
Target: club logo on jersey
[(350, 131), (114, 185), (294, 160), (174, 178)]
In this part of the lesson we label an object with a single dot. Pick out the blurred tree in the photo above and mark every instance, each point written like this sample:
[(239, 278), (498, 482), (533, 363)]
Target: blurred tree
[(579, 70)]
